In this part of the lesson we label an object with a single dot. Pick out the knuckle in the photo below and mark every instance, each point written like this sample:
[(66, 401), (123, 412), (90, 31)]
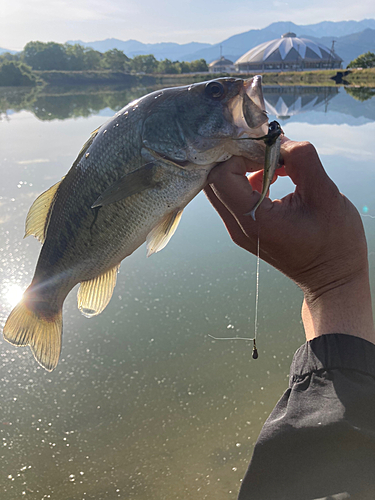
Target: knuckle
[(305, 148)]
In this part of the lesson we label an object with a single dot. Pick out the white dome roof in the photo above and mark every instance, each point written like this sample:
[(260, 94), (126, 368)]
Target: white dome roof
[(221, 62), (288, 48)]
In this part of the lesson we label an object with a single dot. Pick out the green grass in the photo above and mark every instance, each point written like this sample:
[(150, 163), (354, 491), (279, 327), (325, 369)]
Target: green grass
[(361, 78)]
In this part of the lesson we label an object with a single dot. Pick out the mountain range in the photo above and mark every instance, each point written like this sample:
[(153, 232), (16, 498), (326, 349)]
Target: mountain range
[(352, 38)]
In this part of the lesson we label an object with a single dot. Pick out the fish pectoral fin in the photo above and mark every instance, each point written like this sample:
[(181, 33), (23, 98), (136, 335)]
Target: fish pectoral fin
[(38, 217), (43, 334), (94, 295), (128, 185), (160, 235)]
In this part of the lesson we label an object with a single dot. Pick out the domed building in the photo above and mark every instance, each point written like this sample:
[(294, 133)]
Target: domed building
[(221, 65), (288, 53)]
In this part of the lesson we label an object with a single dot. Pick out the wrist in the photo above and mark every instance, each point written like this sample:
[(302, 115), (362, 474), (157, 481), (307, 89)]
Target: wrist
[(343, 308)]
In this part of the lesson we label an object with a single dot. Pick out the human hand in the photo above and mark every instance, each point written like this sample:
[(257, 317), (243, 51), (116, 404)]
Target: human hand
[(314, 235)]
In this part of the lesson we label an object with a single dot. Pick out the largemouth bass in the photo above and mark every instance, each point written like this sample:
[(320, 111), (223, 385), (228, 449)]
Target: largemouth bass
[(129, 183)]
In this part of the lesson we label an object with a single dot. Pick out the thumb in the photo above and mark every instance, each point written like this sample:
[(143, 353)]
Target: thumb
[(303, 166)]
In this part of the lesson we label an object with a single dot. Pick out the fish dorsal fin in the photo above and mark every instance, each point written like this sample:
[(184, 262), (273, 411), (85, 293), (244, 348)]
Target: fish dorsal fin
[(94, 295), (133, 183), (88, 142), (160, 235), (38, 217)]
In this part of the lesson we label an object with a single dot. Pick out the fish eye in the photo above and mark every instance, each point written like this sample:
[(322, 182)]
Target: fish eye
[(215, 90)]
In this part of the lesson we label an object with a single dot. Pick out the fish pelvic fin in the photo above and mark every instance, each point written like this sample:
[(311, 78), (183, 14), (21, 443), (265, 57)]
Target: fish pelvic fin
[(160, 235), (38, 217), (94, 295), (25, 326)]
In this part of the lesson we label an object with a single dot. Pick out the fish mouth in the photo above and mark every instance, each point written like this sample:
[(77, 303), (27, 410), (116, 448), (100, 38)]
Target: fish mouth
[(248, 109), (253, 89)]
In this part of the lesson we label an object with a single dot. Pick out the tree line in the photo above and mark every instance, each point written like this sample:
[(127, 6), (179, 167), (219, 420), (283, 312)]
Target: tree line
[(65, 57), (18, 69), (366, 60)]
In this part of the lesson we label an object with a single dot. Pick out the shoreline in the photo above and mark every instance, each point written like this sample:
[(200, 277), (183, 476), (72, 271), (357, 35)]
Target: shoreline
[(328, 78), (324, 78)]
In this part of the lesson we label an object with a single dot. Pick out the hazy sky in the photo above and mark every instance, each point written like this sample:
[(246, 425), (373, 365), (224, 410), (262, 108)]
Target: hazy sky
[(153, 21)]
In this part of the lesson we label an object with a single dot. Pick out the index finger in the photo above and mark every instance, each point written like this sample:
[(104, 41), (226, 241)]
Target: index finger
[(229, 183)]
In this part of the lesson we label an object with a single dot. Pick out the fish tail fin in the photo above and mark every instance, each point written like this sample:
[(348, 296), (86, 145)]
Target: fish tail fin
[(252, 212), (42, 332)]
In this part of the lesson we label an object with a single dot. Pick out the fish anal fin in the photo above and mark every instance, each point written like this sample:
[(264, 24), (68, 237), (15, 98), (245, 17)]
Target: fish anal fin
[(128, 185), (94, 295), (26, 327), (160, 235), (37, 219)]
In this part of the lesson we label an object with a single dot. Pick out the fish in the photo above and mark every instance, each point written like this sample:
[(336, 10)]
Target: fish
[(129, 184), (272, 157)]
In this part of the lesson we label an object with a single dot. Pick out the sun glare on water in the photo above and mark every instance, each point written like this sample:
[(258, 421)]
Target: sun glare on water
[(13, 294)]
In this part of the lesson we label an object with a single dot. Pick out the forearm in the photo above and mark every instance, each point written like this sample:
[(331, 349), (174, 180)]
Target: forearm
[(319, 441), (345, 309)]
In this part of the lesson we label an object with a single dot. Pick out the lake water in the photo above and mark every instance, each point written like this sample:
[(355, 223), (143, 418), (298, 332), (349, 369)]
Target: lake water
[(144, 404)]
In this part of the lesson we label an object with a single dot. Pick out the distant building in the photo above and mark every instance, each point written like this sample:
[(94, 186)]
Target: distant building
[(221, 65), (288, 53)]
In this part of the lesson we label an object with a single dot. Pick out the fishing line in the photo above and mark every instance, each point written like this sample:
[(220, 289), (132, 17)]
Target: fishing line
[(255, 350), (274, 132)]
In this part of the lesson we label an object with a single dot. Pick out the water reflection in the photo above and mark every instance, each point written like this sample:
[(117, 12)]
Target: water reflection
[(281, 101), (143, 403), (64, 103), (284, 102), (361, 93)]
